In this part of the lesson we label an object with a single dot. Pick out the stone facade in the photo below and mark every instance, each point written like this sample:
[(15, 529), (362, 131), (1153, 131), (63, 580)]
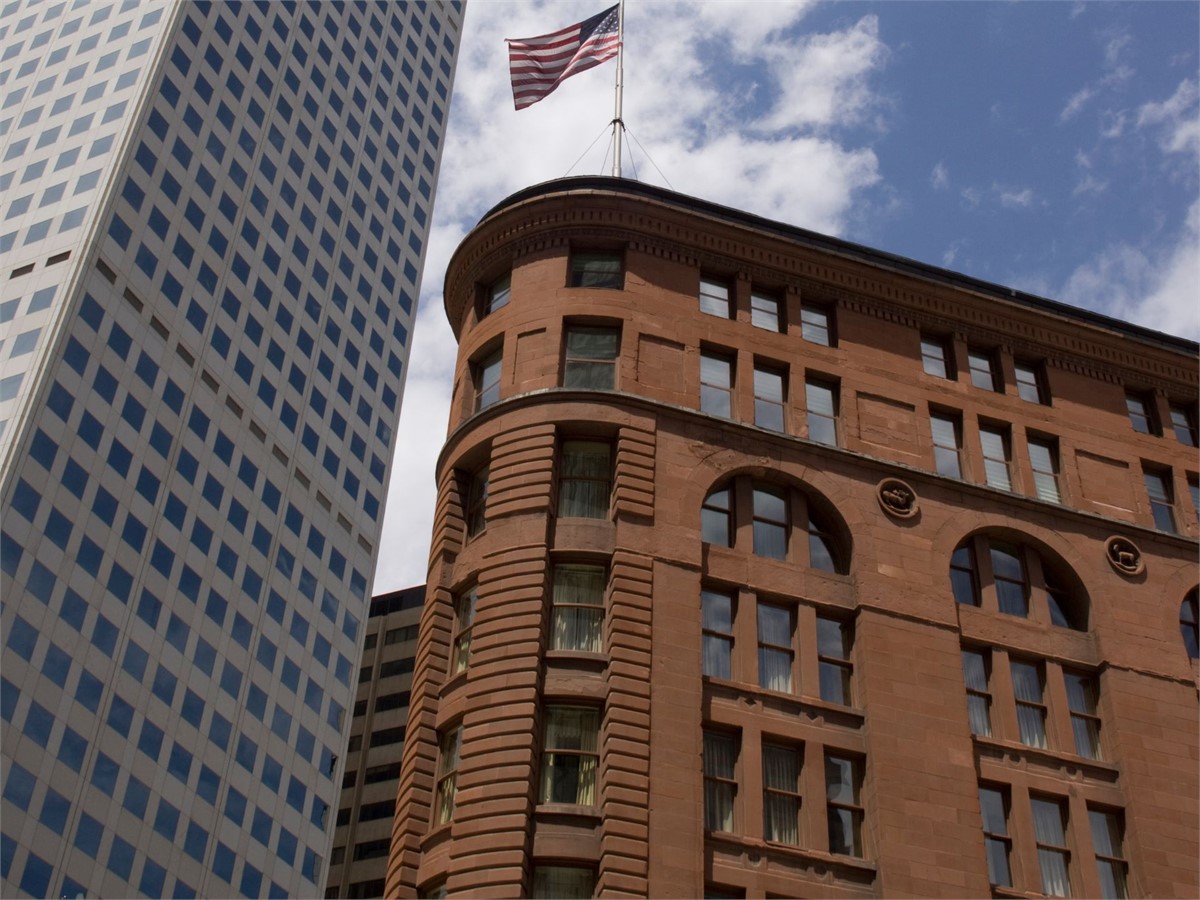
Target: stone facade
[(818, 665)]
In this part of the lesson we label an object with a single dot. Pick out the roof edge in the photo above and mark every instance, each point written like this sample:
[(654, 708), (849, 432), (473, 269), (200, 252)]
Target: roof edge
[(843, 247)]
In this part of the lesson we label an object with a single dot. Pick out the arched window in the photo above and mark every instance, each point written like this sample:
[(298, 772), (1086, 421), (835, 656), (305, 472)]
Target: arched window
[(776, 517), (1015, 578), (1188, 623)]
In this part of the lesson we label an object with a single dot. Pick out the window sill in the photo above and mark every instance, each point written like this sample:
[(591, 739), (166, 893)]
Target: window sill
[(578, 659), (852, 867), (1013, 751), (567, 811), (748, 694), (454, 682)]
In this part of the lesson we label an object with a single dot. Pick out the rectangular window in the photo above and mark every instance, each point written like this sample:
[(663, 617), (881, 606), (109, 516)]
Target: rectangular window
[(936, 359), (720, 780), (1043, 459), (781, 794), (498, 294), (570, 756), (994, 441), (963, 578), (770, 523), (597, 269), (1085, 723), (1183, 421), (816, 325), (1050, 832), (578, 608), (993, 804), (976, 676), (1011, 580), (585, 480), (821, 400), (1162, 499), (561, 883), (714, 298), (843, 779), (947, 444), (764, 311), (464, 622), (834, 642), (1107, 840), (1029, 684), (1031, 382), (591, 358), (476, 511), (715, 517), (768, 398), (776, 627), (717, 626), (487, 380), (983, 370), (716, 384), (1141, 413), (447, 775)]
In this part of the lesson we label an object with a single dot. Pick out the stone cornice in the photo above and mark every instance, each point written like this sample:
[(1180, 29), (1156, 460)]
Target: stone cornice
[(871, 287)]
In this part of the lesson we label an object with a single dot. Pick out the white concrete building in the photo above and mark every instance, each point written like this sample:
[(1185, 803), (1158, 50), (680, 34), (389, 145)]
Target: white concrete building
[(212, 225)]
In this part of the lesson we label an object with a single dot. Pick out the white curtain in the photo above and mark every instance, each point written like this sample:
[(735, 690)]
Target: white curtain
[(1106, 838), (717, 613), (447, 786), (1048, 828), (578, 608), (1082, 699), (774, 653), (975, 676), (781, 811), (720, 757), (1031, 713), (570, 756), (563, 883), (584, 481)]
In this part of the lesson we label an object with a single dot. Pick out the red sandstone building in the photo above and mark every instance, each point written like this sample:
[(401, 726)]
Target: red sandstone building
[(767, 565)]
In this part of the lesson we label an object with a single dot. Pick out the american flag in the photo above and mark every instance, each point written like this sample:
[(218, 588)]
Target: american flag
[(539, 64)]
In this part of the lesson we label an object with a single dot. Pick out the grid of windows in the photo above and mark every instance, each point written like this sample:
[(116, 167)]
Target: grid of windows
[(299, 318)]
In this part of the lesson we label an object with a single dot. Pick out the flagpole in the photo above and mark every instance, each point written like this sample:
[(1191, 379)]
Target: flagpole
[(617, 123)]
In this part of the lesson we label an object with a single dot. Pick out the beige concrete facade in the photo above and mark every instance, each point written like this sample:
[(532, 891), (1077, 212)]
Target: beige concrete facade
[(712, 738)]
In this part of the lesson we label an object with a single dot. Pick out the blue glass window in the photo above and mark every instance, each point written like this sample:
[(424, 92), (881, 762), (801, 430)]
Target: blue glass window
[(87, 836), (151, 740), (57, 665), (179, 764), (55, 808), (219, 730), (235, 807), (166, 822), (120, 716), (154, 876), (137, 797), (208, 784), (120, 858), (88, 691), (38, 724), (165, 684), (196, 842), (72, 748), (75, 478)]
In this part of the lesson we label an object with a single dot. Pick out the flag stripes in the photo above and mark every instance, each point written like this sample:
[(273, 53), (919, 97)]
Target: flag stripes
[(539, 64)]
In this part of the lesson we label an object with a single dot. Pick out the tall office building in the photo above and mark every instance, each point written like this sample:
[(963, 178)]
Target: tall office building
[(212, 232), (769, 565), (361, 839)]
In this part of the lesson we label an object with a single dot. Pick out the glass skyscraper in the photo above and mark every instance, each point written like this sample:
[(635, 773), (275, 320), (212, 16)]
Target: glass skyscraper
[(213, 218)]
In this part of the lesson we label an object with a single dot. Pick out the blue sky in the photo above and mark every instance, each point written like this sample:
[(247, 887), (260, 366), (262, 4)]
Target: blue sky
[(1052, 147)]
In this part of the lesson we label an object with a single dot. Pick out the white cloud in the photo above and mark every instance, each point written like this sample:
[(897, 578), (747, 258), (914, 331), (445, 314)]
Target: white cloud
[(1011, 199), (1089, 184), (972, 196), (940, 177), (1078, 100), (1154, 286), (1178, 118)]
